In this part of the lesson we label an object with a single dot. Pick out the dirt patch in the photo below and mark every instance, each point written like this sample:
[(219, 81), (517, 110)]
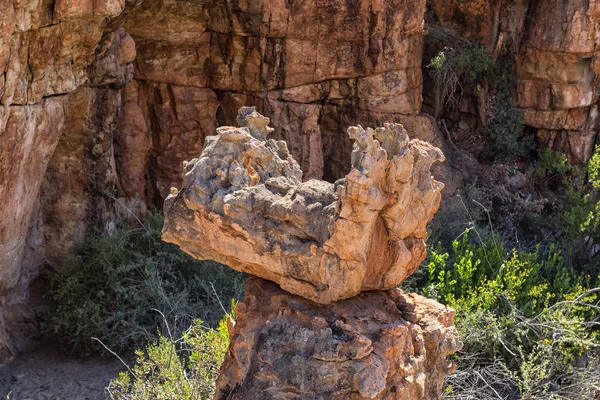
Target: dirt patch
[(48, 374)]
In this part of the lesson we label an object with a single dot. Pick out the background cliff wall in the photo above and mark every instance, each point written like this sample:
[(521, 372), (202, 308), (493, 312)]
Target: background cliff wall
[(46, 50), (101, 101), (554, 48)]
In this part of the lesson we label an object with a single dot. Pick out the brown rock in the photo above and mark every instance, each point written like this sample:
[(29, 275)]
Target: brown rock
[(27, 140), (243, 203), (46, 50), (26, 144), (557, 63), (377, 345), (78, 9), (306, 65), (558, 75)]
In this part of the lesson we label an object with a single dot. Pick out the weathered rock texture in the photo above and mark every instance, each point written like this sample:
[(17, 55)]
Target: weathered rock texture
[(315, 67), (559, 83), (556, 46), (377, 345), (244, 204), (46, 52)]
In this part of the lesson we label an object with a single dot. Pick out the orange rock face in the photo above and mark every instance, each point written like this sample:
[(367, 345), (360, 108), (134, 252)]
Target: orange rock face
[(557, 62), (46, 52), (314, 67), (377, 345), (558, 69), (244, 204)]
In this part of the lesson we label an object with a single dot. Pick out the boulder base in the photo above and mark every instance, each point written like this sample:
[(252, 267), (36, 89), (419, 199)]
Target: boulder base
[(377, 345)]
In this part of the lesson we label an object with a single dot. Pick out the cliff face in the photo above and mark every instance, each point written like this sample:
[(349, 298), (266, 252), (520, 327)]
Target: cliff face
[(46, 50), (556, 56), (558, 69), (101, 101)]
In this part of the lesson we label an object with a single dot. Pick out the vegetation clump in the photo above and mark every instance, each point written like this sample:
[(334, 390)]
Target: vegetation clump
[(124, 288), (460, 67), (528, 321), (182, 369)]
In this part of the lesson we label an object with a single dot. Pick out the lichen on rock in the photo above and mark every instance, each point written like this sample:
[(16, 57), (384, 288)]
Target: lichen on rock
[(244, 204)]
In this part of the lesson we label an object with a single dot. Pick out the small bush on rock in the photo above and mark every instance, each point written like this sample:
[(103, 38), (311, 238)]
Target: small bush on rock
[(122, 287)]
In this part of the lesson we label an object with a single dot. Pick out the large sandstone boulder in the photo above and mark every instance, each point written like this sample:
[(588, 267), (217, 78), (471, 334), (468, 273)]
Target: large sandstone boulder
[(243, 203), (377, 345)]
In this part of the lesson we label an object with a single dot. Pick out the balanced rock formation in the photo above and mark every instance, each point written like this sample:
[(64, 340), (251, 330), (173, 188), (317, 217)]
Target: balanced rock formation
[(377, 345), (244, 204), (326, 332)]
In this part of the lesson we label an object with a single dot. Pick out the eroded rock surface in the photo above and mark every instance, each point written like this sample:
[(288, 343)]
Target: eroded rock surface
[(556, 52), (47, 49), (377, 345), (244, 204), (559, 76), (315, 67)]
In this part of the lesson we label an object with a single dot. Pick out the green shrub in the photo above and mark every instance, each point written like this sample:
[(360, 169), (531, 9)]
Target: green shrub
[(526, 319), (183, 369), (122, 288), (474, 63), (552, 163), (486, 276), (505, 132)]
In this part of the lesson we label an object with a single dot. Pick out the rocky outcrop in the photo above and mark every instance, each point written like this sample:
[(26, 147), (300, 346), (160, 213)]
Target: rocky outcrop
[(327, 331), (377, 345), (244, 204), (559, 76)]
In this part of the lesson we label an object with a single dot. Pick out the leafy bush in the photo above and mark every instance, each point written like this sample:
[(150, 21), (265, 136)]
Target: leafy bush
[(122, 288), (526, 318), (552, 163), (505, 132), (183, 369)]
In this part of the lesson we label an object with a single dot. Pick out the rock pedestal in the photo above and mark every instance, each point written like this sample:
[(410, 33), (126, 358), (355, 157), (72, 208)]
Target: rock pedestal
[(327, 331), (377, 345)]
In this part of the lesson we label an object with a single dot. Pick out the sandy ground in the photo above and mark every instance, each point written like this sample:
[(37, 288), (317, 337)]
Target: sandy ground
[(47, 374)]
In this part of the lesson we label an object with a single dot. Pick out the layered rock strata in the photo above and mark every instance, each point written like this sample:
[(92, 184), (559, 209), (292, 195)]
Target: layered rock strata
[(244, 204), (559, 76), (315, 67), (556, 51), (377, 345)]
